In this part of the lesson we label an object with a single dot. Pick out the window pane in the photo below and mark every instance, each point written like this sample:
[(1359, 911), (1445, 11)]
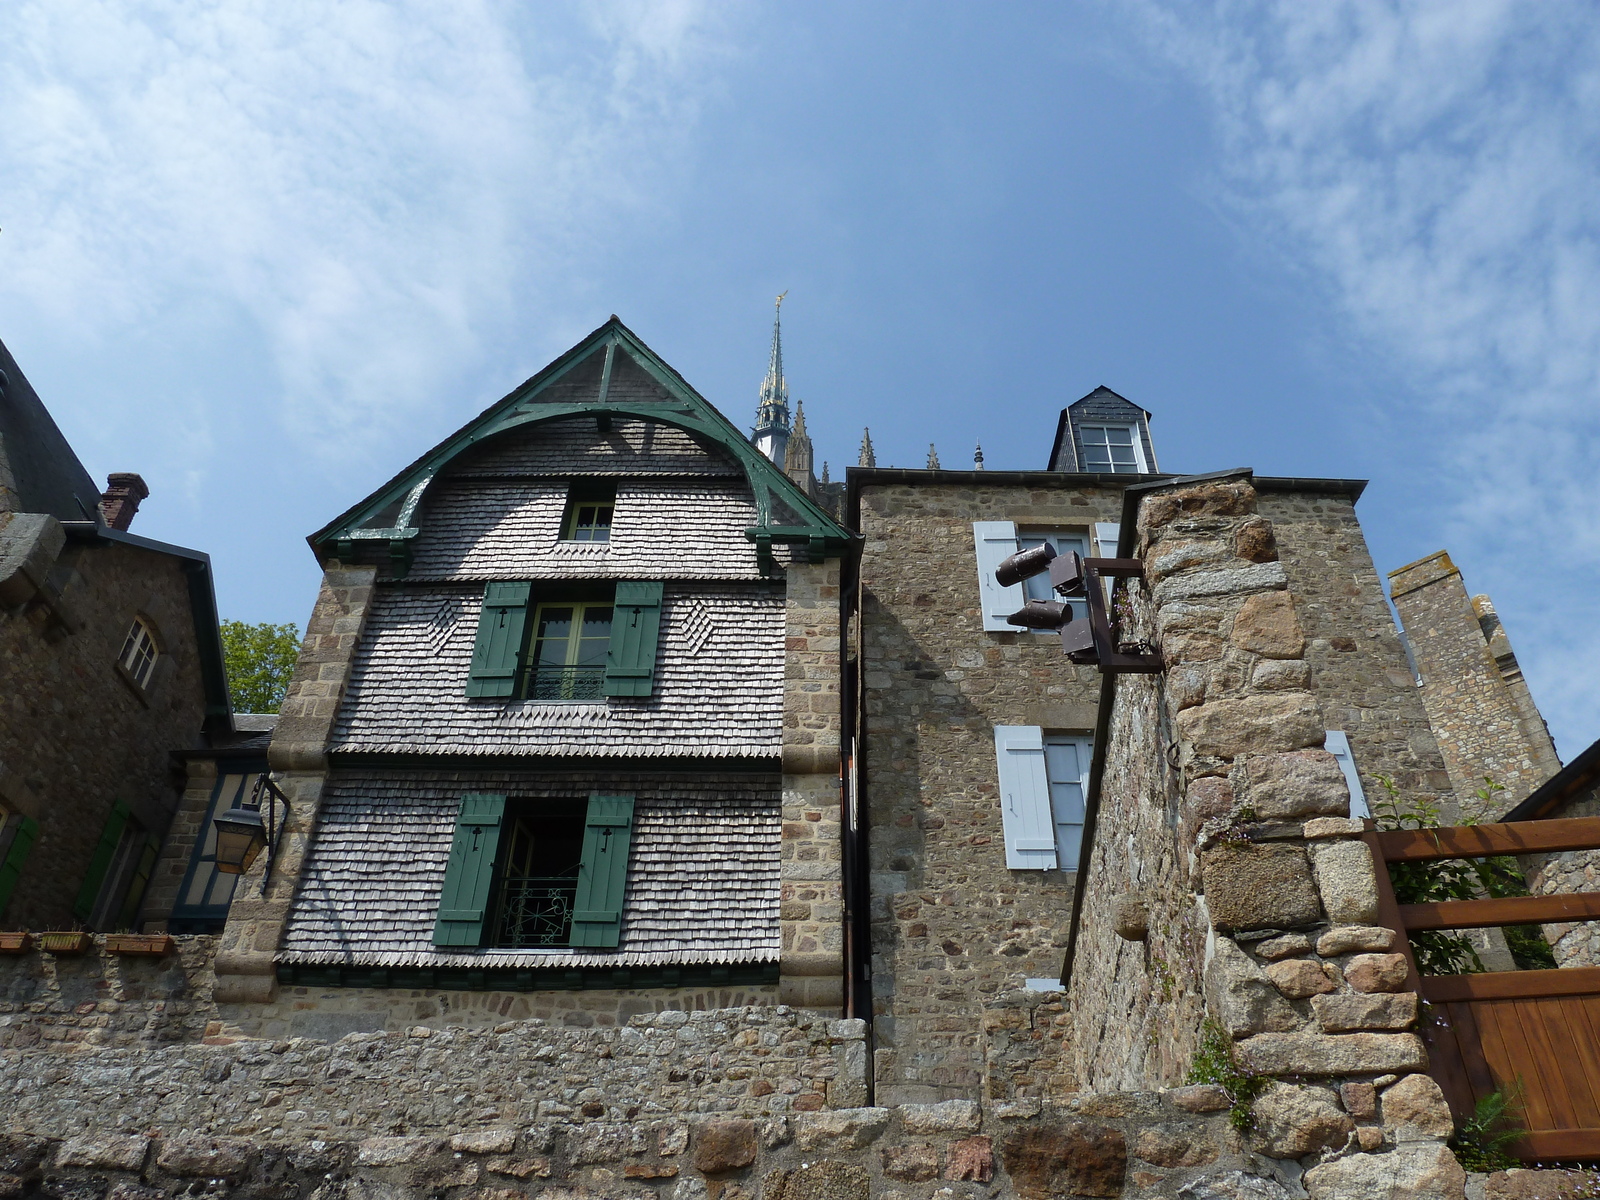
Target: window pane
[(1067, 769), (1118, 435)]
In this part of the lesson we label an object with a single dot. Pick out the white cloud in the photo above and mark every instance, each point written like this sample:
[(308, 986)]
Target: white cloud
[(375, 190), (1434, 163)]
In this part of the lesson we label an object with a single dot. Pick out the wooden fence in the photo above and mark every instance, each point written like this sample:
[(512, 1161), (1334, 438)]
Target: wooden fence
[(1534, 1033)]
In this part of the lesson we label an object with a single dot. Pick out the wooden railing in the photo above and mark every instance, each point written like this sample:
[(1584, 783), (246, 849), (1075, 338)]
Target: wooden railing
[(1532, 1033)]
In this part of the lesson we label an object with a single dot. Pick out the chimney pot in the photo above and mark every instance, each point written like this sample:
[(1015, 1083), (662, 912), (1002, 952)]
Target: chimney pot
[(120, 501)]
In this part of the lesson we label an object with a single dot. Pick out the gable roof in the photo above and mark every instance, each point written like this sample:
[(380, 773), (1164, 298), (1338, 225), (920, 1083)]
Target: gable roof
[(581, 381), (36, 460)]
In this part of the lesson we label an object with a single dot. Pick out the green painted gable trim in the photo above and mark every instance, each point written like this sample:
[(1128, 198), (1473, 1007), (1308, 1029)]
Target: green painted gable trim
[(384, 524)]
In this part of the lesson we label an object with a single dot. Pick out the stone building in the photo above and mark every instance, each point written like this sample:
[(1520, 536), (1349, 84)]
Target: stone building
[(1482, 712), (564, 733), (974, 739), (109, 660)]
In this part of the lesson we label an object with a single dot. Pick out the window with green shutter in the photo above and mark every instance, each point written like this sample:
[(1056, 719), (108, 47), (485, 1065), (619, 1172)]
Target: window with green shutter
[(100, 861), (469, 872), (603, 874), (502, 641), (635, 631), (22, 839)]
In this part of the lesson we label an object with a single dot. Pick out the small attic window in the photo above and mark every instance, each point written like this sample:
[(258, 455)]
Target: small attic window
[(588, 515), (139, 653), (1112, 449)]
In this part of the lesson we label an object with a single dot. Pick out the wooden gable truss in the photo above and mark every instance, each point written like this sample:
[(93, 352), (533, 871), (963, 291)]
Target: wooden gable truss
[(385, 524)]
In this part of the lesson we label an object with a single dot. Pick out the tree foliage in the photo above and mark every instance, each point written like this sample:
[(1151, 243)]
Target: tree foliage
[(260, 659)]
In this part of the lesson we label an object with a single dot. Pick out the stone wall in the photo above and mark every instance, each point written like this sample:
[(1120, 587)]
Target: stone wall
[(1575, 943), (811, 913), (953, 930), (76, 732), (1357, 665), (105, 999), (1230, 897), (1482, 712), (298, 756)]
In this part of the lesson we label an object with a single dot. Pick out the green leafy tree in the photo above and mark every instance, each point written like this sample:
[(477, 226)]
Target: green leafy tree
[(260, 659)]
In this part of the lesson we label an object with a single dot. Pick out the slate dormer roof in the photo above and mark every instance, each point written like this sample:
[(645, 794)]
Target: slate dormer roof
[(1100, 407)]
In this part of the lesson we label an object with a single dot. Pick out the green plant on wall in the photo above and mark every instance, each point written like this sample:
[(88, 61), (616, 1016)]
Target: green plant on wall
[(1439, 952), (1217, 1063), (1482, 1139)]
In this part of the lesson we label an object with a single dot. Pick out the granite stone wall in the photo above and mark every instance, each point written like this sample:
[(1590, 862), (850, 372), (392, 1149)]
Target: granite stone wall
[(1482, 712), (1232, 904), (1356, 663), (953, 929), (811, 913), (77, 733), (245, 969)]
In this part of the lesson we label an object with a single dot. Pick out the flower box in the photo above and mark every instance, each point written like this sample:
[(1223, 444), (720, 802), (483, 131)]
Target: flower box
[(15, 943), (153, 944), (69, 942)]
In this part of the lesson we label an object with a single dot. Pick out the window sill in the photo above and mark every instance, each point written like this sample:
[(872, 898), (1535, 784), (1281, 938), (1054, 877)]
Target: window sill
[(596, 548)]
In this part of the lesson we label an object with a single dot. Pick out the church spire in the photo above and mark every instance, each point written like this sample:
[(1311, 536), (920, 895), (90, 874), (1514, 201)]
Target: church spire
[(797, 458), (771, 434), (933, 458), (869, 456)]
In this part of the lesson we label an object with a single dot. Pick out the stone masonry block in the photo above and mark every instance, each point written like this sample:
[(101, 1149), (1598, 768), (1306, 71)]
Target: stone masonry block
[(1365, 1010), (1264, 724), (1301, 783), (1222, 582), (1259, 886), (1347, 881), (1332, 1054), (1240, 995), (104, 1151), (1267, 625)]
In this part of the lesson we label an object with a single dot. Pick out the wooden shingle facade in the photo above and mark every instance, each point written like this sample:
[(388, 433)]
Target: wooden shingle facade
[(555, 709)]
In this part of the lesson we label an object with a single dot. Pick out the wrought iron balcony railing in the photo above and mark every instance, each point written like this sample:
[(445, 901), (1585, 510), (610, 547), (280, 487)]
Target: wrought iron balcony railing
[(537, 912), (567, 683)]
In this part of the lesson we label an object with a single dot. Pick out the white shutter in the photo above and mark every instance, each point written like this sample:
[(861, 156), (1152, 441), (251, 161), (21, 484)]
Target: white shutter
[(1338, 745), (1105, 537), (996, 541), (1025, 798)]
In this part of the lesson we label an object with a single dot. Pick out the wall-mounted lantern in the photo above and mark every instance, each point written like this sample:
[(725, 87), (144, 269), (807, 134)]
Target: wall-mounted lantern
[(242, 834), (1092, 639)]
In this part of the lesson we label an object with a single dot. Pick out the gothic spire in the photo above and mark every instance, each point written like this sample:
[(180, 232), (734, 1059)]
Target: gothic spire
[(869, 457), (771, 434), (933, 458), (797, 452)]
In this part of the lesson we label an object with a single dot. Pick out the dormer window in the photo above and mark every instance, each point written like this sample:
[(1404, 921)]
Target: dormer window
[(139, 653), (588, 516), (1112, 449)]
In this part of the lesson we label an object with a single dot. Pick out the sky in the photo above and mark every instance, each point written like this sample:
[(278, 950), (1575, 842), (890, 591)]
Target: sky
[(265, 254)]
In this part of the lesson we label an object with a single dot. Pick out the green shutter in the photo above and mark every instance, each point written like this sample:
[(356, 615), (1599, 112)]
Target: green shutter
[(603, 876), (11, 870), (141, 879), (469, 874), (502, 640), (100, 863), (635, 629)]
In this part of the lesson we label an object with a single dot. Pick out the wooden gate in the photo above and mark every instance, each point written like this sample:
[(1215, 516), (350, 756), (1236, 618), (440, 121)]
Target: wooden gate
[(1533, 1032)]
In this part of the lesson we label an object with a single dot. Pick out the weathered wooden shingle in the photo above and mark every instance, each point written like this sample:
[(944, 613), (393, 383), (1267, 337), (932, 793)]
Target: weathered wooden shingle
[(577, 446), (718, 684), (703, 878), (661, 529)]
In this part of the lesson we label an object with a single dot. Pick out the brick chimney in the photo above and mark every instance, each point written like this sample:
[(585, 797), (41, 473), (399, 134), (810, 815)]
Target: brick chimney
[(121, 498)]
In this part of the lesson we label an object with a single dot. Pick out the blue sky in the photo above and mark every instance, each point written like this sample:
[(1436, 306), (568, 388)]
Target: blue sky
[(265, 254)]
